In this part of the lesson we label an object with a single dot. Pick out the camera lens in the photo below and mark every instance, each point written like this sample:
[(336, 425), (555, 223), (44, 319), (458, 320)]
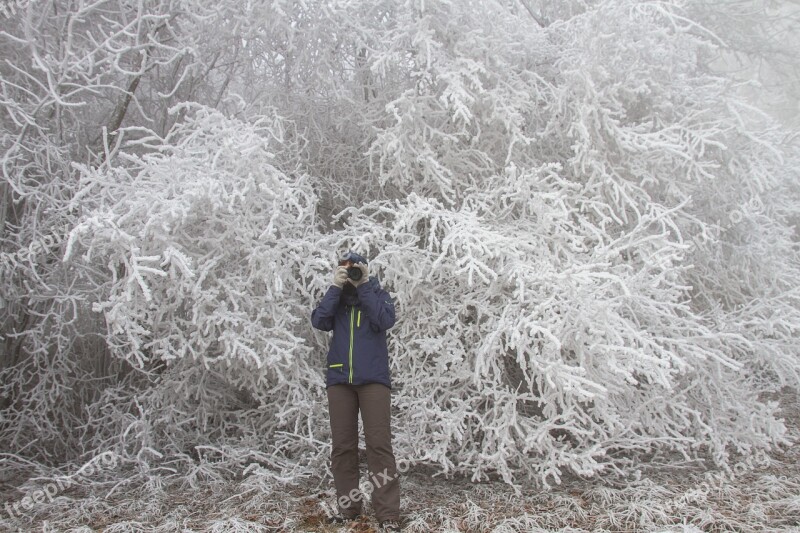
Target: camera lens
[(354, 273)]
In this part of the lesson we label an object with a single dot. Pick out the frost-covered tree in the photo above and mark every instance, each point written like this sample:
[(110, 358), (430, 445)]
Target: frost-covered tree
[(587, 232), (209, 243), (77, 78), (571, 191)]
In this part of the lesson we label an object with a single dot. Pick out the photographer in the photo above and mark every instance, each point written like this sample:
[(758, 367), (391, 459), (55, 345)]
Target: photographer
[(359, 312)]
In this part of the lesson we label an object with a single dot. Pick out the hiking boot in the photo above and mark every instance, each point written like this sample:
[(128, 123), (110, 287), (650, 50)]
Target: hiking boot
[(390, 526), (343, 519)]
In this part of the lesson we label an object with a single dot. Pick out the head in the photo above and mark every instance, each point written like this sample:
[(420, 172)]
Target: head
[(349, 260)]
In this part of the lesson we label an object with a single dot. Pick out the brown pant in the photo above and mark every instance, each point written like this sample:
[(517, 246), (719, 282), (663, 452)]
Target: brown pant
[(344, 402)]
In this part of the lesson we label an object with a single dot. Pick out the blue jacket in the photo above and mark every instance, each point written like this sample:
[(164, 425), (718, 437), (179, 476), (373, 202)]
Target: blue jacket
[(358, 353)]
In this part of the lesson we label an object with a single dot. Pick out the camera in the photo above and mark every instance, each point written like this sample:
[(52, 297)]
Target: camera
[(349, 260), (354, 273)]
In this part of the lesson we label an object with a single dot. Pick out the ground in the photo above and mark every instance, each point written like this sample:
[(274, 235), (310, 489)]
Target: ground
[(759, 496)]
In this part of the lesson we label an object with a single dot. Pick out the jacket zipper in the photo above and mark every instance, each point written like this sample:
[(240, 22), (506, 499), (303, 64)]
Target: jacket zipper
[(352, 316)]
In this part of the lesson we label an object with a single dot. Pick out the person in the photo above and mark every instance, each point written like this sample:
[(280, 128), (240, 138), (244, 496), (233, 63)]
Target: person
[(359, 312)]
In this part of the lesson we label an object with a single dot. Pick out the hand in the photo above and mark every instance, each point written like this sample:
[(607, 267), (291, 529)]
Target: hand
[(340, 276), (364, 274)]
